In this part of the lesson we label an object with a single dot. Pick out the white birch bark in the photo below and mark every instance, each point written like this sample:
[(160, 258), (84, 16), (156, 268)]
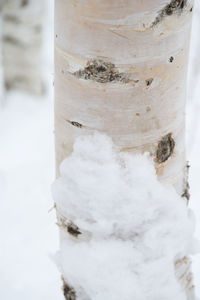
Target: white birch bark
[(22, 45), (121, 68)]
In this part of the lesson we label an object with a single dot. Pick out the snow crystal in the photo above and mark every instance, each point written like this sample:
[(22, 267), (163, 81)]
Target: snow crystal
[(131, 227)]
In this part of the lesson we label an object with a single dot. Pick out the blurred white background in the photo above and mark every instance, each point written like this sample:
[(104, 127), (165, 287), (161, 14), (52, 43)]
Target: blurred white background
[(29, 236)]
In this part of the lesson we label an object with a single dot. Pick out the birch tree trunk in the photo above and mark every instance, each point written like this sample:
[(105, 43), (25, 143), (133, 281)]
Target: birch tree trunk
[(121, 68), (22, 45)]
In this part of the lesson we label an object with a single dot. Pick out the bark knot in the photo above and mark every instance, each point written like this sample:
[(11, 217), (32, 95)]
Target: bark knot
[(101, 71), (165, 148)]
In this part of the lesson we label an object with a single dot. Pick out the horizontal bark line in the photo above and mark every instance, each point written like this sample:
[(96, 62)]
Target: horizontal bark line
[(136, 61)]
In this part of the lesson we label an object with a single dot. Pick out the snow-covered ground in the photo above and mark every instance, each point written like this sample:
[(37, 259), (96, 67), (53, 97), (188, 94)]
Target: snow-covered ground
[(29, 236), (28, 231)]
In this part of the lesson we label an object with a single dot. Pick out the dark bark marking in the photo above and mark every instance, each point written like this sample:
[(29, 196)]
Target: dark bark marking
[(174, 7), (10, 84), (101, 71), (69, 226), (68, 291), (186, 193), (13, 41), (149, 81), (165, 148), (76, 124), (73, 229), (24, 3), (12, 19)]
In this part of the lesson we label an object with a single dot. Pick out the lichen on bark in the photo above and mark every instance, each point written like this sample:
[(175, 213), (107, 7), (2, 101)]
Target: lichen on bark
[(101, 71)]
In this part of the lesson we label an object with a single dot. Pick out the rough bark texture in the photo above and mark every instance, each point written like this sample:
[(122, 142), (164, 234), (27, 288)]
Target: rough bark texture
[(121, 69), (21, 45)]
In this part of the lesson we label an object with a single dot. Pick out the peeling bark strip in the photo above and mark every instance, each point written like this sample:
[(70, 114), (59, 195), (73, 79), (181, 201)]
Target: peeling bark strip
[(68, 291), (175, 6), (165, 148), (101, 71)]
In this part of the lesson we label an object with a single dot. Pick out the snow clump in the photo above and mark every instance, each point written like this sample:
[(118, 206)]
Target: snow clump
[(127, 228)]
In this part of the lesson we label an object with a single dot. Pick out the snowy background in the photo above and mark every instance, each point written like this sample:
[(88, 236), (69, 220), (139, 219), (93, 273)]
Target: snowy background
[(29, 236)]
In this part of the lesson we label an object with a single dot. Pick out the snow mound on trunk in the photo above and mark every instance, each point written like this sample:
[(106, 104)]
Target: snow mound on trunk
[(121, 229)]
